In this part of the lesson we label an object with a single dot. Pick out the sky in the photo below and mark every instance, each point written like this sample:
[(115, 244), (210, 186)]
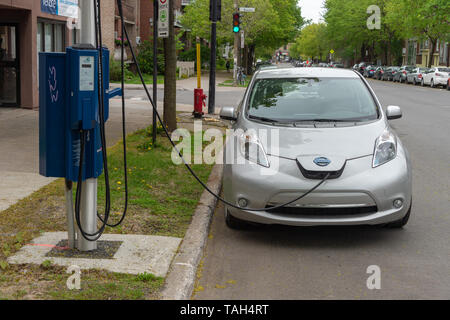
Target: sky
[(311, 9)]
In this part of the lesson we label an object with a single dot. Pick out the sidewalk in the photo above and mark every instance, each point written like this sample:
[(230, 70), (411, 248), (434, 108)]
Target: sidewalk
[(19, 145), (188, 84)]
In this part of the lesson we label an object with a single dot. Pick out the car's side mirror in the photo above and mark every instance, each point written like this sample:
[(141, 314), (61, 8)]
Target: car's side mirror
[(228, 113), (393, 112)]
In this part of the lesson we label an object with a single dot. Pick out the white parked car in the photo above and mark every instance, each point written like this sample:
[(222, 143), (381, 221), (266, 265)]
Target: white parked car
[(436, 76)]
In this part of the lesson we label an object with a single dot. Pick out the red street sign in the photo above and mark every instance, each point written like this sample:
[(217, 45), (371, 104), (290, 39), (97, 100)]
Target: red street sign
[(163, 1)]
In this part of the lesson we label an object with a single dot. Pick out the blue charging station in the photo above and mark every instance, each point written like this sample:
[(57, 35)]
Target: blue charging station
[(68, 102)]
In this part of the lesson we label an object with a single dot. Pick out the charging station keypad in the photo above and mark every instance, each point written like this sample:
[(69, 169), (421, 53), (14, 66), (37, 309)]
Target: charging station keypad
[(87, 73)]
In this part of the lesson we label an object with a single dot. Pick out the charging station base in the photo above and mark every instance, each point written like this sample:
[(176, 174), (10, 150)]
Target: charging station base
[(136, 253)]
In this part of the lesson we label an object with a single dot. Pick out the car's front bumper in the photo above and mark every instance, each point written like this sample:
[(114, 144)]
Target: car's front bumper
[(359, 186)]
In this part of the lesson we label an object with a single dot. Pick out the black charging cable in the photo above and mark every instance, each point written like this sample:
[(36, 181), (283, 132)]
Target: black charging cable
[(119, 4)]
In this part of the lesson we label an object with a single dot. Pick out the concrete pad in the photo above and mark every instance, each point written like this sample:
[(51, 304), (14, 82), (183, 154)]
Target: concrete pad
[(137, 254), (18, 185)]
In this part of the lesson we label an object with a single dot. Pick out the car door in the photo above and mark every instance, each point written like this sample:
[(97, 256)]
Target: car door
[(428, 76)]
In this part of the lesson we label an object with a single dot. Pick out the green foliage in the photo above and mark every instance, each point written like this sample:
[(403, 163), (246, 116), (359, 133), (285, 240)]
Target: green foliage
[(274, 23), (146, 277), (4, 265), (46, 264), (145, 58), (191, 54), (115, 71), (312, 42)]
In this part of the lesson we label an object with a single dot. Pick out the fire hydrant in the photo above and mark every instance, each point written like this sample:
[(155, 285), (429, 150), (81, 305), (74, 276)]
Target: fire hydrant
[(199, 102)]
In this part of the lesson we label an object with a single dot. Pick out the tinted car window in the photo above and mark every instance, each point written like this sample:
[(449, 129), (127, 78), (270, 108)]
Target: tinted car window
[(303, 99)]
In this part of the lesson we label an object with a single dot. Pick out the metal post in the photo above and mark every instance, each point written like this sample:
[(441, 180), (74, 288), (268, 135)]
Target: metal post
[(69, 215), (88, 205), (236, 47), (155, 64), (199, 66), (212, 71)]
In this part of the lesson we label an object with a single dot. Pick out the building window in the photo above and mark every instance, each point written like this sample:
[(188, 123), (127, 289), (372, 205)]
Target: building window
[(51, 36)]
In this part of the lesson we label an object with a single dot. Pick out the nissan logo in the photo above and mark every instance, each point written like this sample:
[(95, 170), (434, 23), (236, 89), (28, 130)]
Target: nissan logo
[(322, 161)]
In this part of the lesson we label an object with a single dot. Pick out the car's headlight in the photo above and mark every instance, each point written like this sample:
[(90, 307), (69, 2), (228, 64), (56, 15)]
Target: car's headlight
[(385, 149), (252, 149)]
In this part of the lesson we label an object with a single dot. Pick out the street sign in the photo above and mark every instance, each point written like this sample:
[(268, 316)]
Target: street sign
[(244, 9), (66, 8), (331, 51), (242, 40), (163, 19)]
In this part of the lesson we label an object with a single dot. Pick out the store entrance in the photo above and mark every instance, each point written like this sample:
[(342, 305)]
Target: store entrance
[(9, 66)]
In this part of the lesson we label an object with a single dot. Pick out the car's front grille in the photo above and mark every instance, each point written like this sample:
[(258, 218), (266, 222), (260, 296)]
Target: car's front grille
[(321, 212), (318, 175)]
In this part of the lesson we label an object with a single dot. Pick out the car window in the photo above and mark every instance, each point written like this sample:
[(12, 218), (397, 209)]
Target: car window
[(307, 99), (444, 69)]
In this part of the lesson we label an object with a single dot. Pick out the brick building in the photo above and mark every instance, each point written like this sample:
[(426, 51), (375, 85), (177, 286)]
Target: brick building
[(28, 27), (146, 17)]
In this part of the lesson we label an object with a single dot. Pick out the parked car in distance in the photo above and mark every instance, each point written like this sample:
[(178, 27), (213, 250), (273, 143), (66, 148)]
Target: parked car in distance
[(402, 73), (338, 65), (355, 67), (436, 76), (363, 65), (389, 73), (415, 76), (379, 72), (369, 71)]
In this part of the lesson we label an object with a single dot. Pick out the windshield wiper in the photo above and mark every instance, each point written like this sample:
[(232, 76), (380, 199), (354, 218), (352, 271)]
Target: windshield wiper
[(325, 120), (263, 119)]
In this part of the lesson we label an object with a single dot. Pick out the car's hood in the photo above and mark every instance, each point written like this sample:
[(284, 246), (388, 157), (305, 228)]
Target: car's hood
[(331, 142)]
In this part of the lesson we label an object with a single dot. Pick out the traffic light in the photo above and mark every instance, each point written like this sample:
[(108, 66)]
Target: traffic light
[(236, 22)]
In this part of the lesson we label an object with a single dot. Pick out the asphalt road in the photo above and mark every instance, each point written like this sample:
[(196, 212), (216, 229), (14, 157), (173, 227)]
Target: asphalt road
[(275, 262)]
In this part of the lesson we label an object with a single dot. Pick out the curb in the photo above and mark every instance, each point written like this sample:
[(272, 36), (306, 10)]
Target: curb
[(182, 273)]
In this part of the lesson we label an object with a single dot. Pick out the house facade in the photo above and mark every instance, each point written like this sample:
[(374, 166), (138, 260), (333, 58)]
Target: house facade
[(418, 52)]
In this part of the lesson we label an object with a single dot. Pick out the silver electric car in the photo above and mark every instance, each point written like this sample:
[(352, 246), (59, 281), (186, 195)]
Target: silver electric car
[(297, 126)]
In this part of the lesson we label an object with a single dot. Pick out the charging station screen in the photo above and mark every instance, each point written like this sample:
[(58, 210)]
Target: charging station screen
[(86, 73)]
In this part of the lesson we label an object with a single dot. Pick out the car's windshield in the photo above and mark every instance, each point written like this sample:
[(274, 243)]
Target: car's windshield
[(444, 69), (311, 99)]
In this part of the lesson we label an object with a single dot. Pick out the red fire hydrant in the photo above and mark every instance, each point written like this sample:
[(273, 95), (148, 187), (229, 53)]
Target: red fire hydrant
[(199, 102)]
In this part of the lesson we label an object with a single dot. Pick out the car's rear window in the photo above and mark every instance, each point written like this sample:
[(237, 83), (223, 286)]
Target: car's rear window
[(308, 99)]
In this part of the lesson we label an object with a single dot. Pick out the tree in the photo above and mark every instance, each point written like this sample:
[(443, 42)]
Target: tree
[(426, 19), (170, 89), (312, 42), (274, 22)]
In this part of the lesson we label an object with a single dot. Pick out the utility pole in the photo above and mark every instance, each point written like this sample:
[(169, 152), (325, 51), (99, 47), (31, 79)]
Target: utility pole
[(155, 65), (236, 47), (214, 13), (88, 210)]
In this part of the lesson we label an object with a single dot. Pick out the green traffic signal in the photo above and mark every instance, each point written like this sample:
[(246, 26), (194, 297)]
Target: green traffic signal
[(236, 29)]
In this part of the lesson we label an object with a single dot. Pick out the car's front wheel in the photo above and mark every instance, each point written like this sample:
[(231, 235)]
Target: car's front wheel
[(401, 222), (233, 222)]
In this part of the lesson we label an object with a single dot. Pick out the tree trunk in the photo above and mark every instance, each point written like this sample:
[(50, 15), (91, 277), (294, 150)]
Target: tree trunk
[(251, 58), (433, 49), (170, 86)]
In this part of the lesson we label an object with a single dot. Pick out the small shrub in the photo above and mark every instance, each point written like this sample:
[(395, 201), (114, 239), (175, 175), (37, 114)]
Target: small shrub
[(115, 71), (145, 58), (46, 264), (145, 277)]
